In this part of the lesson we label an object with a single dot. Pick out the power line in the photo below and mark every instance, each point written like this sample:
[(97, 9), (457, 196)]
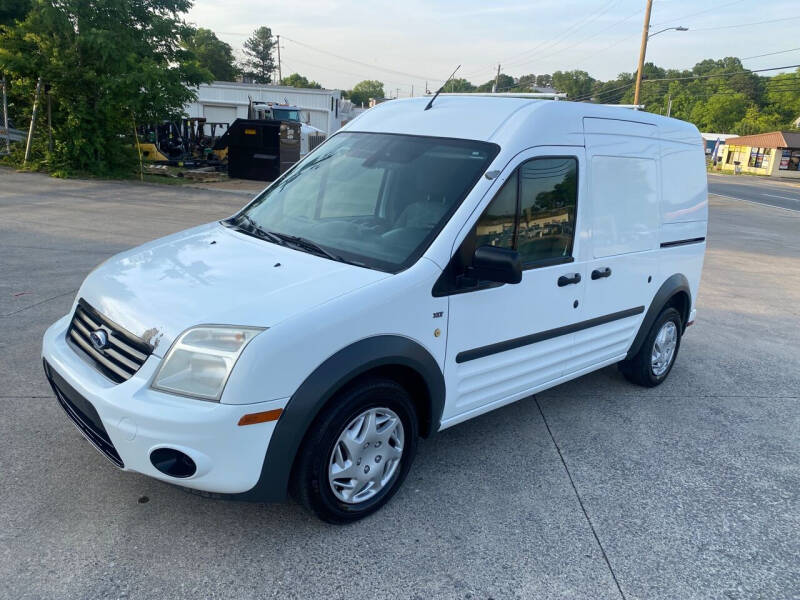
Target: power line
[(771, 53), (701, 12), (557, 51), (363, 64), (767, 82), (515, 60), (615, 24), (394, 83), (746, 24), (615, 94), (727, 74)]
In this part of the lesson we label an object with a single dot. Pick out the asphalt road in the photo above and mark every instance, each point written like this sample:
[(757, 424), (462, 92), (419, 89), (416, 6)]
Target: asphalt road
[(772, 192), (595, 489)]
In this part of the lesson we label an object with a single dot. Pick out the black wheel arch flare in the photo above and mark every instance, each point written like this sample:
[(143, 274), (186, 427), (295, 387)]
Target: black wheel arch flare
[(319, 387), (674, 285)]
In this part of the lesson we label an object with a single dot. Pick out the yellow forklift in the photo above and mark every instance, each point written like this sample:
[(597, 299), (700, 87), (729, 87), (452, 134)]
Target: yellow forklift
[(188, 144)]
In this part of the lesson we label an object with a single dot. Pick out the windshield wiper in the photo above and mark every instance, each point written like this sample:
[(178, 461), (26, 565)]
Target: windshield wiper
[(284, 239), (260, 231), (305, 243)]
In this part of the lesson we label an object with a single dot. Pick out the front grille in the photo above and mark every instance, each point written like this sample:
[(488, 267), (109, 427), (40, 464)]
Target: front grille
[(122, 355), (315, 140), (83, 415)]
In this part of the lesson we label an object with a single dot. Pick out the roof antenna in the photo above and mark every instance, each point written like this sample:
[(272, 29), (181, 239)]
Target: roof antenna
[(439, 91)]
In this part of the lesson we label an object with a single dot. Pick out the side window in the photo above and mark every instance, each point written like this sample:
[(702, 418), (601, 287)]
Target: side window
[(548, 190), (534, 211), (496, 225)]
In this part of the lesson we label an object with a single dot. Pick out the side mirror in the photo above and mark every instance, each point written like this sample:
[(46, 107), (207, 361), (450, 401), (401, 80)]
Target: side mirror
[(490, 263)]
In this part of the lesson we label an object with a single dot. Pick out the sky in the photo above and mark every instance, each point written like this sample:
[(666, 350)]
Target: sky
[(404, 43)]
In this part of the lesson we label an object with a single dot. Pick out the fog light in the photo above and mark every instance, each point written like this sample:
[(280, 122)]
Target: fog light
[(173, 462)]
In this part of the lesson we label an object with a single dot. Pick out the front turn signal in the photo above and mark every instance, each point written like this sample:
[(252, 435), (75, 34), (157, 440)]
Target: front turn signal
[(261, 417)]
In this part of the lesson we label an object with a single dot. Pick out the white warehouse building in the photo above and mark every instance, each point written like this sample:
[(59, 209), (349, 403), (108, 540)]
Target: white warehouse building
[(224, 101)]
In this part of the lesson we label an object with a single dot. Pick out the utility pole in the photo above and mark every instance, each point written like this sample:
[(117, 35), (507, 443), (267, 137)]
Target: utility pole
[(642, 50), (496, 78), (49, 119), (397, 93), (412, 90), (280, 76), (5, 117), (33, 121), (669, 105)]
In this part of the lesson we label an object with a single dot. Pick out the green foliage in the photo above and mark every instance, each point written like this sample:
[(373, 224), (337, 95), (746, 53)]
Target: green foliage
[(12, 10), (576, 84), (458, 85), (258, 64), (298, 81), (719, 96), (109, 63), (505, 83), (364, 90), (212, 54), (720, 112)]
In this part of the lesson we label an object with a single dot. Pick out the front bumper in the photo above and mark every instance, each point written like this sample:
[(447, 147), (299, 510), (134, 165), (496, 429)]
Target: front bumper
[(137, 420)]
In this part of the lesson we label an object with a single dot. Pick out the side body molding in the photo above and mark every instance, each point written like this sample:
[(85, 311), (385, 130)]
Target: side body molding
[(321, 385), (673, 285)]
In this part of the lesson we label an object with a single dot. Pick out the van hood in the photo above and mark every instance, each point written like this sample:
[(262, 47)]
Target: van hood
[(213, 275)]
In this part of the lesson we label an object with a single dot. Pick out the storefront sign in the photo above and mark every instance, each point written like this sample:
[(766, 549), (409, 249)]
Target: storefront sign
[(785, 155)]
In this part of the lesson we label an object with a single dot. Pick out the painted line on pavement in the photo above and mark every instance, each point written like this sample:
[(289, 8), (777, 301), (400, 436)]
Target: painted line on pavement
[(781, 197), (794, 210)]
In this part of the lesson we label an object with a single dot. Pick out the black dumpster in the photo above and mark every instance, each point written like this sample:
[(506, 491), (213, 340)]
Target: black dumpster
[(260, 150), (254, 149)]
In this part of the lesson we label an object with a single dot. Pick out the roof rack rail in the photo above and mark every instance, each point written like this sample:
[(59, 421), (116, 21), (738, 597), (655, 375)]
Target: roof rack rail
[(530, 95)]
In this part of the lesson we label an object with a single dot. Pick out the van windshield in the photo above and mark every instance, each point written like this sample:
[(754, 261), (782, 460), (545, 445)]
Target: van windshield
[(376, 200)]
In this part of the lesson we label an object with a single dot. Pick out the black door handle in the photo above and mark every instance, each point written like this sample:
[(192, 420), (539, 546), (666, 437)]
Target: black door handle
[(600, 273), (569, 279)]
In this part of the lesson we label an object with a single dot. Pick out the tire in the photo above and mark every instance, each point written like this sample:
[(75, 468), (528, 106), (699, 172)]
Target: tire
[(338, 428), (642, 369)]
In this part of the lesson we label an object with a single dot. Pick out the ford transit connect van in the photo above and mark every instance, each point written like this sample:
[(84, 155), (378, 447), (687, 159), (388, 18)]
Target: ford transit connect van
[(419, 268)]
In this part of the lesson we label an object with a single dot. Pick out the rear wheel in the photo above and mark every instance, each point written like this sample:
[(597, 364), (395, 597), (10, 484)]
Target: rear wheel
[(651, 365), (358, 452)]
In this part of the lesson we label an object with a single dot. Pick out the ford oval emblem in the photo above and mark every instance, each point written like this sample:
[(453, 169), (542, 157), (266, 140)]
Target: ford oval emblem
[(99, 339)]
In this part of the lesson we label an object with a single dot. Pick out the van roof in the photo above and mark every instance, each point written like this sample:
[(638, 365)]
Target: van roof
[(490, 119)]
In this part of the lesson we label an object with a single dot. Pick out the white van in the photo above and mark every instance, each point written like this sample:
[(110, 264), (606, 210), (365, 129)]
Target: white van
[(419, 268)]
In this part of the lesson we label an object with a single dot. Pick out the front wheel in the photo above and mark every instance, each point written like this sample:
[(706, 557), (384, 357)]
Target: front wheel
[(358, 452), (651, 365)]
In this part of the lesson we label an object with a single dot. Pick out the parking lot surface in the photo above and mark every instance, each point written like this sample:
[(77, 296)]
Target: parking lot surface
[(595, 489), (781, 193)]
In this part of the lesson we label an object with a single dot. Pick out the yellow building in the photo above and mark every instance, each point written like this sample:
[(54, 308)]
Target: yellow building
[(776, 154)]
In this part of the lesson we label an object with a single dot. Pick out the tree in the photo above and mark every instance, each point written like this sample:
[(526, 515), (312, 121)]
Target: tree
[(212, 54), (720, 112), (364, 90), (544, 81), (258, 64), (298, 81), (110, 64), (526, 83), (11, 10), (757, 121), (505, 83), (783, 96), (576, 84), (458, 85)]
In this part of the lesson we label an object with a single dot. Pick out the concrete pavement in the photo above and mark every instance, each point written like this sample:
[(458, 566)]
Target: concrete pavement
[(594, 489)]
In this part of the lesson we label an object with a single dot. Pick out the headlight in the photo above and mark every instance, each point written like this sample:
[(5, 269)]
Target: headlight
[(201, 359)]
